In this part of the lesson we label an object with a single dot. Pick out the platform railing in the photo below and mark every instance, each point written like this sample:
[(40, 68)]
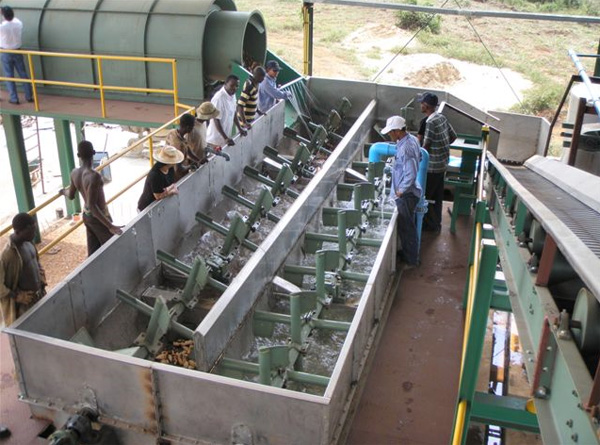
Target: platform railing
[(103, 165), (101, 86), (474, 273)]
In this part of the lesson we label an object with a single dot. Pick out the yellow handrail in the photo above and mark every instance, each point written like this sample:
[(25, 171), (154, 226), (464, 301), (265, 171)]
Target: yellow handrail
[(473, 276), (100, 85), (106, 163)]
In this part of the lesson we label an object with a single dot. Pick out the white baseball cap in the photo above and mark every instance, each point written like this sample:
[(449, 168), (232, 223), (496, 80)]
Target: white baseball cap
[(394, 123)]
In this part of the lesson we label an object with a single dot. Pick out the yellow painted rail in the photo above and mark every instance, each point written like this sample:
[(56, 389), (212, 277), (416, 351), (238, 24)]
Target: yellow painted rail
[(473, 274), (103, 165), (101, 86)]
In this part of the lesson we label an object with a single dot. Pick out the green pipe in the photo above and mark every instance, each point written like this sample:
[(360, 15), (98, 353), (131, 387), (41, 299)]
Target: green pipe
[(254, 174), (320, 274), (333, 325), (264, 366), (190, 283), (341, 234), (273, 317), (300, 270), (147, 310), (321, 237), (64, 143), (239, 365), (207, 221), (296, 320), (354, 276), (232, 194), (174, 263), (307, 379), (368, 242)]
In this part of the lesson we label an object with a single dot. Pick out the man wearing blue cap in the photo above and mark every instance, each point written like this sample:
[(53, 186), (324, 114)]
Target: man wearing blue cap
[(268, 92), (437, 136), (407, 187)]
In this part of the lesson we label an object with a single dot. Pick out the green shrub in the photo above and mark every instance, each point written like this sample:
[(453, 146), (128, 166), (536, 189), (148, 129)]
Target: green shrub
[(541, 99), (413, 21)]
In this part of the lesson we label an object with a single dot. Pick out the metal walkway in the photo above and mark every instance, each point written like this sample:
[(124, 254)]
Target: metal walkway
[(410, 392)]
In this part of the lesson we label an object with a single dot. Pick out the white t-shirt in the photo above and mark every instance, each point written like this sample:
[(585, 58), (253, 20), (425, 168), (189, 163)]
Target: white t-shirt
[(10, 34), (226, 104)]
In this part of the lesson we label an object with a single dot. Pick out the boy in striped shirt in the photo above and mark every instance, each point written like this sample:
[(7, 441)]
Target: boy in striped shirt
[(247, 105)]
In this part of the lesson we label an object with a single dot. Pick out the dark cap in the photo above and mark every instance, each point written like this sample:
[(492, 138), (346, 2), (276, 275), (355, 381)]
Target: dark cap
[(429, 99), (272, 65), (85, 150)]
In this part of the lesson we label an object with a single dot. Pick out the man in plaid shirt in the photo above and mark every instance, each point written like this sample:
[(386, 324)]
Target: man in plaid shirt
[(437, 137)]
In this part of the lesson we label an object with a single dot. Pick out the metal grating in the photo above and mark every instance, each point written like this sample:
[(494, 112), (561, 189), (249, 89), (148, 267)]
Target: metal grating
[(582, 220)]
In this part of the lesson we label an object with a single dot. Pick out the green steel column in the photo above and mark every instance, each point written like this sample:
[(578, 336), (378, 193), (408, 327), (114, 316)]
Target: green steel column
[(64, 143), (264, 366), (18, 162), (79, 131), (477, 330), (597, 66)]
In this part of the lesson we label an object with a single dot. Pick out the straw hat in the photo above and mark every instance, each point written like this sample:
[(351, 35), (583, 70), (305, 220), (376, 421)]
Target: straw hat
[(168, 155), (207, 111)]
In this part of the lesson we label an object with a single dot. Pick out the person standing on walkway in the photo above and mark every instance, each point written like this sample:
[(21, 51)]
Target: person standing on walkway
[(11, 30), (219, 130), (22, 278), (88, 182), (407, 188), (268, 92), (204, 113), (247, 105), (437, 137)]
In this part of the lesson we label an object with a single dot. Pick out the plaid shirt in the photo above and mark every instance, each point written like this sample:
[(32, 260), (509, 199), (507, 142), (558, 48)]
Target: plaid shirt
[(439, 133)]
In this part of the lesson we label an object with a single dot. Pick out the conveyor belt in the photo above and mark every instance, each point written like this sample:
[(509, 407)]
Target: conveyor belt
[(582, 220)]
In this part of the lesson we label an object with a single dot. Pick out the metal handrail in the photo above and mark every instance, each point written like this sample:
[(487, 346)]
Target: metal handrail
[(100, 86), (103, 165), (473, 276)]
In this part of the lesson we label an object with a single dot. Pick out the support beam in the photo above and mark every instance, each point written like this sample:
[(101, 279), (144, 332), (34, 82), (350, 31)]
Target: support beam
[(64, 143), (18, 161), (469, 13), (503, 411), (307, 25), (597, 66), (546, 261), (79, 131)]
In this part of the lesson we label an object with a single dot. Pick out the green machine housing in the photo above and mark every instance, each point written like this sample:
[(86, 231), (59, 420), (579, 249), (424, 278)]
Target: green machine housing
[(205, 36)]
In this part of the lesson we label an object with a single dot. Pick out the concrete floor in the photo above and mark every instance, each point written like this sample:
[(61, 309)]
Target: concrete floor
[(410, 393)]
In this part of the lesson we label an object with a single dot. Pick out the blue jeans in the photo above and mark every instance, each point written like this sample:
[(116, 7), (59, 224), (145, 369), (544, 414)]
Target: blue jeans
[(407, 227), (10, 63)]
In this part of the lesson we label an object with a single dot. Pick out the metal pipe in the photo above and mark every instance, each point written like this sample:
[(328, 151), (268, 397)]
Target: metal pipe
[(469, 13), (147, 310), (296, 320), (586, 80), (101, 83), (333, 325), (239, 365), (33, 85), (307, 378), (273, 317), (264, 366), (88, 56)]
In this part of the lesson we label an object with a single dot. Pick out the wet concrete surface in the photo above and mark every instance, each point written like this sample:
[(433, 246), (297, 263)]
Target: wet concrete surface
[(410, 393)]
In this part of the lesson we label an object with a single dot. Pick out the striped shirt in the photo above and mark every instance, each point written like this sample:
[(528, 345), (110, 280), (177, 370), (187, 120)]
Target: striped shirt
[(439, 134), (248, 101)]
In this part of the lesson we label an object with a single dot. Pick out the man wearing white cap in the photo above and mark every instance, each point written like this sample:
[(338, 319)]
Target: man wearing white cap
[(407, 188), (160, 182)]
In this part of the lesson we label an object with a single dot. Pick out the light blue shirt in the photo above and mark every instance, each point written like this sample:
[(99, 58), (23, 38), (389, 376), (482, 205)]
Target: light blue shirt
[(268, 93), (406, 166)]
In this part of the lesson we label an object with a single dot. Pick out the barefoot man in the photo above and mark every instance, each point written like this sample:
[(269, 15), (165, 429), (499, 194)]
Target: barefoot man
[(88, 182)]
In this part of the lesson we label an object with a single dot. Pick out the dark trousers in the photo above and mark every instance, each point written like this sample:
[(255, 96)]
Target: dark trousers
[(407, 228), (434, 192), (96, 232), (10, 63)]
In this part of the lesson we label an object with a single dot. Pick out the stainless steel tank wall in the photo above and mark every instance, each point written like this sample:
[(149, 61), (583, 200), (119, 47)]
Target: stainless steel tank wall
[(144, 399), (152, 28), (219, 326), (391, 99)]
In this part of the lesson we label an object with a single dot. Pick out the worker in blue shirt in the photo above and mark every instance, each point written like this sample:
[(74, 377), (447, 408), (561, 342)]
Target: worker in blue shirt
[(407, 188), (268, 92)]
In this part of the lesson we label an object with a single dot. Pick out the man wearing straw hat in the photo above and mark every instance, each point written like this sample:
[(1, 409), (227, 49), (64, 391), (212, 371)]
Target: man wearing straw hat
[(160, 182), (204, 113), (96, 218)]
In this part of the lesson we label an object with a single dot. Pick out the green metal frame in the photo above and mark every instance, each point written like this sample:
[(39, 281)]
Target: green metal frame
[(562, 371), (64, 143)]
